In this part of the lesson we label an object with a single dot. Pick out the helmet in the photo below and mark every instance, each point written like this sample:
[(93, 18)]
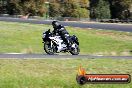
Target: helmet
[(55, 24)]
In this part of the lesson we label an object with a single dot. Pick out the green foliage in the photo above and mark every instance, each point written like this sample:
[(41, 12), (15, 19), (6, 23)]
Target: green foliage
[(55, 10), (84, 3), (120, 8), (100, 10), (111, 8), (73, 9), (69, 9), (35, 7), (13, 7), (81, 12)]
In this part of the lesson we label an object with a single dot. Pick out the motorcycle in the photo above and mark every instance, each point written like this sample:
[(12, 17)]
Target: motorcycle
[(54, 44)]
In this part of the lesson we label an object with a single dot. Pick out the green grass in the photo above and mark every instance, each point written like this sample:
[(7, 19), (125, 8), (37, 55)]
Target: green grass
[(26, 38), (59, 73)]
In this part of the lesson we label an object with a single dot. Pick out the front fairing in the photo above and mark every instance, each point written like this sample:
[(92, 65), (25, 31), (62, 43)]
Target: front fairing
[(46, 35)]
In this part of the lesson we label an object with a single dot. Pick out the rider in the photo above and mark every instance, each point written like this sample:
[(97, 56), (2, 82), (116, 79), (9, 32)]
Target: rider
[(61, 31)]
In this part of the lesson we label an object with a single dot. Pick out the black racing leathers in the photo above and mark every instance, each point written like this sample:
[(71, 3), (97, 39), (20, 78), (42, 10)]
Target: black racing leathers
[(61, 31)]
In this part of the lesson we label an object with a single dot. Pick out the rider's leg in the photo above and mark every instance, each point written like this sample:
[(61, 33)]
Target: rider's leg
[(67, 40)]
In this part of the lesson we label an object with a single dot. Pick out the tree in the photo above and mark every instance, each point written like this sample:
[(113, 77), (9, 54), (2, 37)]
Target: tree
[(84, 3), (81, 13), (13, 7), (100, 9), (68, 8), (72, 8), (120, 8), (55, 10), (35, 7)]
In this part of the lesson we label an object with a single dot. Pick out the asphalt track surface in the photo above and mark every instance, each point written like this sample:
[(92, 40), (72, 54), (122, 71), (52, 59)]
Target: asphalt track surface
[(44, 56), (105, 26)]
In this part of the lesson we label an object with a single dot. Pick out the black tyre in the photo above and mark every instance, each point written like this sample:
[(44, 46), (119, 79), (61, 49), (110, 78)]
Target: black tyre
[(75, 50), (48, 48)]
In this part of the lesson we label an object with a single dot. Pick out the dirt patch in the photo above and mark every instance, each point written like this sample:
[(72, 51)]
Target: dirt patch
[(117, 36), (27, 50), (105, 33)]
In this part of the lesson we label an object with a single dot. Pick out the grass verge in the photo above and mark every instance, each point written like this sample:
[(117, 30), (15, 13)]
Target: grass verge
[(54, 73), (26, 38)]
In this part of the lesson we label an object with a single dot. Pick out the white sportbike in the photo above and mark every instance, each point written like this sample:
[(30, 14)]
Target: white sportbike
[(55, 44)]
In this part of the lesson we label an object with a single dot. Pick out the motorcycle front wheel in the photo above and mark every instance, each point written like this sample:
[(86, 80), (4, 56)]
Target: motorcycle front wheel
[(74, 49), (49, 49)]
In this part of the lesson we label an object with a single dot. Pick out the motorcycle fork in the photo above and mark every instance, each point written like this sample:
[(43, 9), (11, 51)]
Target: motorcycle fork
[(51, 44)]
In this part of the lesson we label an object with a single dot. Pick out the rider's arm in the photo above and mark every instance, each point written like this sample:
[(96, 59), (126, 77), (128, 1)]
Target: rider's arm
[(55, 31), (61, 28)]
